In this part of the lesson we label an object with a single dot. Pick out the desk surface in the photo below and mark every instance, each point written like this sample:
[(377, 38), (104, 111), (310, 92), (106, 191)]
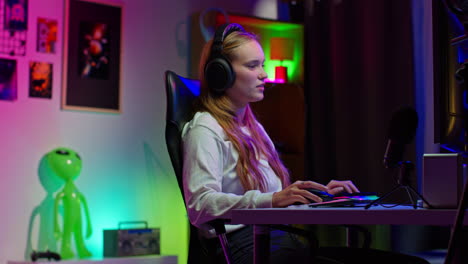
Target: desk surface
[(302, 214)]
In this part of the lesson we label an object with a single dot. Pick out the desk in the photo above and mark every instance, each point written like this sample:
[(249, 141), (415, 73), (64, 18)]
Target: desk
[(377, 215)]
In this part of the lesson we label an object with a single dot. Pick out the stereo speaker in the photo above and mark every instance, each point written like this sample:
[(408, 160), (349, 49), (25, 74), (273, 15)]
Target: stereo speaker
[(443, 179)]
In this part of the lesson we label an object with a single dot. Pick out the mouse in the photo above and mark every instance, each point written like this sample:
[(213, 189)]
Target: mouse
[(322, 194)]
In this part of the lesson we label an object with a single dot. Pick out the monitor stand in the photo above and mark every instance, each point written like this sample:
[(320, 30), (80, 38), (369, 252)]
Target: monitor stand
[(404, 170)]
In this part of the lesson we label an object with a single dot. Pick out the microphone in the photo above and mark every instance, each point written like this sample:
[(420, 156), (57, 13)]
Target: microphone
[(401, 132)]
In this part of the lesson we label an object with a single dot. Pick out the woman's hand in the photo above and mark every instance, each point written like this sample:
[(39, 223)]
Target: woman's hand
[(336, 187), (295, 193)]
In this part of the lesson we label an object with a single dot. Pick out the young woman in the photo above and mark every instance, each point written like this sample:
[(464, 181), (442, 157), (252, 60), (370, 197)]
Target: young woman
[(229, 160)]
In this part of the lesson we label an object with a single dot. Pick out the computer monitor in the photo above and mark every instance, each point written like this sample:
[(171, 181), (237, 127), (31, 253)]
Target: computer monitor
[(450, 77)]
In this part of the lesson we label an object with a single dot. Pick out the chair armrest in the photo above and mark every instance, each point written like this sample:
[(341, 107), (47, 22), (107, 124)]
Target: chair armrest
[(220, 229), (218, 225), (366, 234)]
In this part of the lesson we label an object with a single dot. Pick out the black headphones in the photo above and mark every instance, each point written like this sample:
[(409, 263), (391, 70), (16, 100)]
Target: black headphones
[(219, 74)]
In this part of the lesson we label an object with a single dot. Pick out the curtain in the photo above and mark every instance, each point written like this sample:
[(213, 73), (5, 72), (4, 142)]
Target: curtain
[(358, 71)]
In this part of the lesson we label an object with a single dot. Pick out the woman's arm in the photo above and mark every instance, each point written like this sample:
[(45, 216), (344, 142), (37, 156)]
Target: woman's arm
[(205, 157)]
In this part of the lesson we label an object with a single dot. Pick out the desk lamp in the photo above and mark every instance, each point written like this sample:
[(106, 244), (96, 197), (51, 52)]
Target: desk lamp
[(281, 49)]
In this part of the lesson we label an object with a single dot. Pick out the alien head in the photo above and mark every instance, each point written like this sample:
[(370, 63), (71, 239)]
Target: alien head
[(65, 162)]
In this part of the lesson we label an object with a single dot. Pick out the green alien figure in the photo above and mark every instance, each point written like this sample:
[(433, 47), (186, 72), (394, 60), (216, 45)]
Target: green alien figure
[(66, 163)]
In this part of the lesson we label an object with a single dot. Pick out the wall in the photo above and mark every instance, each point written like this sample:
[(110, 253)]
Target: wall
[(424, 80), (126, 172)]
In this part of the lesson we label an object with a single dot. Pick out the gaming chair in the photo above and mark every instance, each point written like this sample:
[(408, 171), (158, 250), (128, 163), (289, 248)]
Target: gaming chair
[(181, 93)]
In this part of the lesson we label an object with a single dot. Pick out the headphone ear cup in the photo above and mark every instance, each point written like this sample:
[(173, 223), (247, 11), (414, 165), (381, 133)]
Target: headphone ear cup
[(219, 75)]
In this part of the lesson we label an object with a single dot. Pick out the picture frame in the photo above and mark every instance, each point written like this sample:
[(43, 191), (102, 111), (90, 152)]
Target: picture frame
[(8, 80), (40, 79), (92, 56)]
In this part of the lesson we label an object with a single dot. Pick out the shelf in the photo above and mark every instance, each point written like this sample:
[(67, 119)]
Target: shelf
[(266, 30), (260, 22), (152, 259)]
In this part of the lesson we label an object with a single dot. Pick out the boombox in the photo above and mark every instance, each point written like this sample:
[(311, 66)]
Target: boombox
[(131, 242)]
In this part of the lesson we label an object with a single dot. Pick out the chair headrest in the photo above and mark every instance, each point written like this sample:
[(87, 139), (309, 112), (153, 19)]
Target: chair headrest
[(181, 93)]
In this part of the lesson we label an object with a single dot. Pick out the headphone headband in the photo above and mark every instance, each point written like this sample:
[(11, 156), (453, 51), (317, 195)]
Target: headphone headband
[(220, 35)]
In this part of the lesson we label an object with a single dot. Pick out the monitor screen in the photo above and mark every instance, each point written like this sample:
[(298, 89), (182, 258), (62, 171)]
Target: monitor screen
[(450, 77)]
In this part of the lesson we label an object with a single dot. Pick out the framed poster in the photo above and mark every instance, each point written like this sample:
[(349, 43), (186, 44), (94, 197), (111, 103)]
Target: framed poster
[(8, 80), (40, 79), (16, 14), (46, 35), (13, 27), (92, 52)]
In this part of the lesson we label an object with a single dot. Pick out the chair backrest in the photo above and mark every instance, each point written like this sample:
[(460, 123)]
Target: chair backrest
[(181, 93)]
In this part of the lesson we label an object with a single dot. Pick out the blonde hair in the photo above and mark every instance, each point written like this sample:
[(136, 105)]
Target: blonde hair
[(250, 147)]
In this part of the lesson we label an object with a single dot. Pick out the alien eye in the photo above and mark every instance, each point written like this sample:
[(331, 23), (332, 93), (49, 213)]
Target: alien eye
[(62, 152), (77, 155)]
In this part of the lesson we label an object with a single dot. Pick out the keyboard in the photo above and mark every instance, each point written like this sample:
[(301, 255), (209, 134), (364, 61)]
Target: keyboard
[(362, 197), (348, 200)]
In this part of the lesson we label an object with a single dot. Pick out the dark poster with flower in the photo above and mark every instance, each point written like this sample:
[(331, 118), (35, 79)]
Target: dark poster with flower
[(92, 57)]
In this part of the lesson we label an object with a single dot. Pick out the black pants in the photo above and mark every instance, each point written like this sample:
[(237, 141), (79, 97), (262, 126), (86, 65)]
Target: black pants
[(288, 248)]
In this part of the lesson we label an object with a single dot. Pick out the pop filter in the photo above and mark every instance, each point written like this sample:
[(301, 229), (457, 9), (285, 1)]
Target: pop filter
[(401, 132)]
